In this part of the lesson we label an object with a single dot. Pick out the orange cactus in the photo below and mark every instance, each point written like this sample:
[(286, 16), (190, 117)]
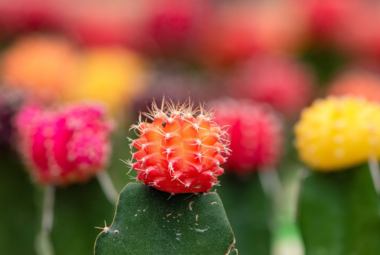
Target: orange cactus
[(357, 83), (40, 65), (177, 152)]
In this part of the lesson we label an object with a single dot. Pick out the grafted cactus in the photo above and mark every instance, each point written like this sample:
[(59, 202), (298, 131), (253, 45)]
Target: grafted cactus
[(62, 147), (338, 210), (177, 153), (65, 146), (247, 190)]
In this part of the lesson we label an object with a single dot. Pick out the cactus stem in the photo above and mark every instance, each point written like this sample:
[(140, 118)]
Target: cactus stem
[(43, 243), (107, 186), (375, 174), (48, 209), (270, 181)]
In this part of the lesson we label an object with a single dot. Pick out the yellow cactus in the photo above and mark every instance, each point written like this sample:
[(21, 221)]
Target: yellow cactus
[(109, 75), (337, 133)]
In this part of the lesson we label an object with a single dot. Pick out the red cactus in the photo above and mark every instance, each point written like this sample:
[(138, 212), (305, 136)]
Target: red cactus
[(169, 27), (285, 84), (20, 15), (98, 23), (177, 152), (248, 28), (325, 16), (66, 146), (256, 134)]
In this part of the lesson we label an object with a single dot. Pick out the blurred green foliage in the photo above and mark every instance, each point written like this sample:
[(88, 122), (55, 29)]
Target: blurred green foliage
[(339, 213), (78, 208)]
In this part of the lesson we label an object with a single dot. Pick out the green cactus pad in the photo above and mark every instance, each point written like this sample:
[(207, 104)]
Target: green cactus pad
[(147, 222), (339, 213), (249, 211)]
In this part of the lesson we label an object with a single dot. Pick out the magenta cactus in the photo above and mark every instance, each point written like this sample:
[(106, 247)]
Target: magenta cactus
[(65, 146), (255, 132)]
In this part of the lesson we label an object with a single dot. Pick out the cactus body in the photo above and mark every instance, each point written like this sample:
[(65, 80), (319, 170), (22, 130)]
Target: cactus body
[(255, 131), (177, 152), (285, 84), (66, 146), (146, 222), (112, 76), (338, 213), (357, 83), (35, 65)]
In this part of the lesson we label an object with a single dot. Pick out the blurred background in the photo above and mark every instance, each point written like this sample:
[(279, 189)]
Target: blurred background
[(280, 53)]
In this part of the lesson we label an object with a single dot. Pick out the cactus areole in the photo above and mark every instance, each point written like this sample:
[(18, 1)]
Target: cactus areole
[(179, 152)]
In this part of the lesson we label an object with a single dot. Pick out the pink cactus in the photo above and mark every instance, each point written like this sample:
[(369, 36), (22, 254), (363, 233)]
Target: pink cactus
[(255, 132), (65, 146)]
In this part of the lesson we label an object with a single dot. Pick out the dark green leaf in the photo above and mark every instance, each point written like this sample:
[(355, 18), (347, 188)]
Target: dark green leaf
[(148, 222)]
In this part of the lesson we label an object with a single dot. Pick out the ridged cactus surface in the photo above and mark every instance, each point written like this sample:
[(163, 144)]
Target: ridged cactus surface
[(178, 152)]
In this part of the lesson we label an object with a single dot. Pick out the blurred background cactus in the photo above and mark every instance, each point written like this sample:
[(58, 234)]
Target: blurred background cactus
[(260, 63)]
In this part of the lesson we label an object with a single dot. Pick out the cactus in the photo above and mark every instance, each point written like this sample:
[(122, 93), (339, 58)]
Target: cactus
[(356, 82), (146, 222), (338, 133), (34, 64), (256, 140), (62, 147), (97, 23), (170, 28), (249, 209), (177, 153), (286, 84), (112, 76), (66, 146), (256, 134), (338, 204)]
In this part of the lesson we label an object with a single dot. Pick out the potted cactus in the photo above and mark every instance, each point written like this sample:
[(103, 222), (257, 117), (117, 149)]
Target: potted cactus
[(177, 157)]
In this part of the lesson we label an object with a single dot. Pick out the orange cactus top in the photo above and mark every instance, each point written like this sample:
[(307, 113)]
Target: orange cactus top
[(179, 152)]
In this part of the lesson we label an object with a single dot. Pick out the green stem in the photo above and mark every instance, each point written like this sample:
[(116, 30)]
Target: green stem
[(108, 187), (270, 181), (375, 174), (43, 242)]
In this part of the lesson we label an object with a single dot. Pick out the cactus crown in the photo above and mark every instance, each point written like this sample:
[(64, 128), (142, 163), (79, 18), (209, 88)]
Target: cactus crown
[(337, 133), (179, 152)]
